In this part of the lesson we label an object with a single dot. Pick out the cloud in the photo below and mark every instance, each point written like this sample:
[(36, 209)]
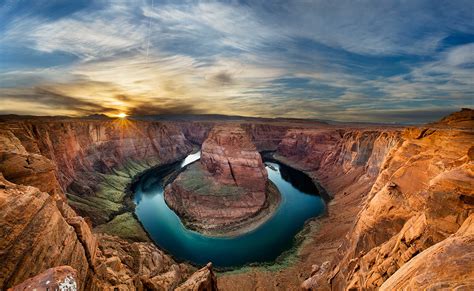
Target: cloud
[(86, 34), (55, 100), (222, 78), (462, 55), (315, 59)]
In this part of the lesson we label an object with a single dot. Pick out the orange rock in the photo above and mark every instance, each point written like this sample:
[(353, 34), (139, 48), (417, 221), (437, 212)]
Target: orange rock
[(58, 278)]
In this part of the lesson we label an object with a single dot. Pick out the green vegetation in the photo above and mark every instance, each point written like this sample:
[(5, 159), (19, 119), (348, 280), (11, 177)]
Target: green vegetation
[(195, 179), (99, 209), (125, 226), (111, 199)]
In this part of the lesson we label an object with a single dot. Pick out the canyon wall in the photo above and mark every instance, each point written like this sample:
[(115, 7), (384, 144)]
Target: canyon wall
[(80, 154), (40, 230), (338, 157), (421, 197), (401, 210)]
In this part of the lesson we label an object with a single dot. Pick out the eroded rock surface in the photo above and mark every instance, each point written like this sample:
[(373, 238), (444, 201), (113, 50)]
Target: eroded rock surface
[(228, 190), (80, 156), (229, 155), (422, 195), (58, 278), (36, 235)]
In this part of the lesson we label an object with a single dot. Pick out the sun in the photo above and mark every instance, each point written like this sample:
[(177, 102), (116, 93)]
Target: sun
[(122, 115)]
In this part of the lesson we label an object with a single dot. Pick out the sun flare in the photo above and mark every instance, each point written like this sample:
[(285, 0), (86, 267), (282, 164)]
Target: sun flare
[(122, 115)]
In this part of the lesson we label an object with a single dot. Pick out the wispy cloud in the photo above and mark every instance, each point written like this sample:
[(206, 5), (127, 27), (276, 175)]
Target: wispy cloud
[(344, 60)]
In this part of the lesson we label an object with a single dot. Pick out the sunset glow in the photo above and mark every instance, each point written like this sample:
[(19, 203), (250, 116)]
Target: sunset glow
[(345, 61), (122, 115)]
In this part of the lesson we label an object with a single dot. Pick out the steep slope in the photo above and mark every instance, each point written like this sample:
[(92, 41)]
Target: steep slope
[(91, 161), (36, 235), (345, 161), (422, 195)]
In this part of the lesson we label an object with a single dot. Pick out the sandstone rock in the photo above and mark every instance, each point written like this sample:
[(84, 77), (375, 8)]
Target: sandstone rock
[(204, 279), (85, 236), (35, 236), (58, 278), (84, 150), (446, 265), (228, 191), (231, 158), (132, 266), (398, 237), (21, 167), (411, 207)]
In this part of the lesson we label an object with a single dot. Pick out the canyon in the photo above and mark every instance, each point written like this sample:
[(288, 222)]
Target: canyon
[(398, 197)]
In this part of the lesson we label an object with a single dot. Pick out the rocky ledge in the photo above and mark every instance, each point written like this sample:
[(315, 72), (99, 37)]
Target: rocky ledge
[(228, 191)]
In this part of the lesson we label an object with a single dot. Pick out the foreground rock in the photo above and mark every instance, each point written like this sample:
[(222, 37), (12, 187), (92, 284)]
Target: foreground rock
[(228, 192), (202, 280), (446, 265), (58, 278), (40, 231), (36, 235)]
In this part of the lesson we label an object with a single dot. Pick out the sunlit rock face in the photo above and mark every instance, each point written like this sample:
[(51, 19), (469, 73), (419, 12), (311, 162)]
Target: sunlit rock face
[(418, 206), (58, 278), (36, 235)]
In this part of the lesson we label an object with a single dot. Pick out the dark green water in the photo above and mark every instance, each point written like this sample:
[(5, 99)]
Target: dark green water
[(264, 244)]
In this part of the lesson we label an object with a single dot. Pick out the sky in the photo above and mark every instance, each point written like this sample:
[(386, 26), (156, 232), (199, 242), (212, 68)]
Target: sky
[(406, 61)]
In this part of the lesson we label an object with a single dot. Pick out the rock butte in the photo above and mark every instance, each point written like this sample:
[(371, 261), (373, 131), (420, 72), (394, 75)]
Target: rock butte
[(228, 191), (401, 217)]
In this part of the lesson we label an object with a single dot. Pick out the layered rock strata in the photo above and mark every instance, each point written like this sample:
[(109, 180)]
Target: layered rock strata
[(228, 191), (337, 158), (420, 199), (91, 162), (40, 231), (229, 155)]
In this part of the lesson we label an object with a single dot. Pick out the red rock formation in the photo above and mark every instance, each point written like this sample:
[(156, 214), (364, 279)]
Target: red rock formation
[(40, 230), (77, 147), (402, 207), (58, 278), (202, 280), (36, 235), (230, 157), (446, 265), (228, 190), (74, 153), (411, 207), (21, 167), (266, 136)]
